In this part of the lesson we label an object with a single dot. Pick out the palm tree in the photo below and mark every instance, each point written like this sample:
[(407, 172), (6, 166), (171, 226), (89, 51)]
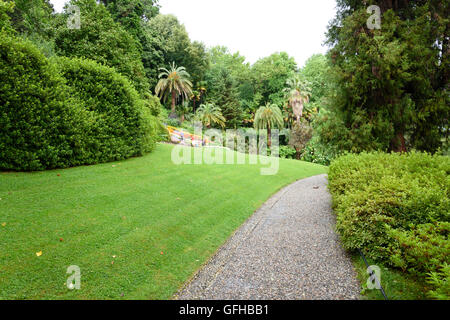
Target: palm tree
[(268, 117), (174, 83), (210, 114), (298, 93)]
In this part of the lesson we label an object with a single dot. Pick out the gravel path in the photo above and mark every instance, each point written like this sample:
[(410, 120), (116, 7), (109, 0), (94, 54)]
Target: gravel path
[(287, 250)]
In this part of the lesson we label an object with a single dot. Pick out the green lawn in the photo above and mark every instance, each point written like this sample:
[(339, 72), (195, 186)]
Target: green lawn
[(159, 220)]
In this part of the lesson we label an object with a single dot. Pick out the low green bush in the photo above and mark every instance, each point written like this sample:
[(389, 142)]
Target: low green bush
[(422, 249), (395, 207), (287, 152), (315, 152)]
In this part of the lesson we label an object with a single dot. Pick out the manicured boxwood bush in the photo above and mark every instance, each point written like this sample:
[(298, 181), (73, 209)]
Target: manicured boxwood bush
[(123, 125), (67, 112), (395, 207), (41, 125)]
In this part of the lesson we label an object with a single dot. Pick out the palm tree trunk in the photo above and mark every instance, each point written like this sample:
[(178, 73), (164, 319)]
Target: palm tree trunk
[(173, 102), (301, 112), (269, 136)]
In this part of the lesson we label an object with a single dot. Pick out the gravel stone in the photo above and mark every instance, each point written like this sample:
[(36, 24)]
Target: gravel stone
[(288, 250)]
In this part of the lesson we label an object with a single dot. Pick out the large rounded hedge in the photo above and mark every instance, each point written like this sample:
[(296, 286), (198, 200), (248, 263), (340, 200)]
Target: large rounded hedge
[(64, 112), (123, 126), (41, 126)]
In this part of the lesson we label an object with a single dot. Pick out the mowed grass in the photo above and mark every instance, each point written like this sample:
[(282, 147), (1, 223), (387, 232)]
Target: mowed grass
[(138, 229)]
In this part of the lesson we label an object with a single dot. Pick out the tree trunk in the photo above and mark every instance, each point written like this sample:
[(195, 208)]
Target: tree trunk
[(173, 113), (297, 153), (301, 111), (269, 136), (398, 143)]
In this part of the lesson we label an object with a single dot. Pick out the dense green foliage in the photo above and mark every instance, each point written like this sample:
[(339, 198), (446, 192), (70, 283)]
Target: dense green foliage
[(177, 47), (65, 112), (375, 90), (103, 40), (5, 21), (122, 126), (395, 207), (33, 20), (240, 89), (134, 15), (41, 126), (271, 74), (390, 85)]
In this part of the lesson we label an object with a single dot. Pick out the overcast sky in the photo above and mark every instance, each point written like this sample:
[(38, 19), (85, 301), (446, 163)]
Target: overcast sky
[(255, 28)]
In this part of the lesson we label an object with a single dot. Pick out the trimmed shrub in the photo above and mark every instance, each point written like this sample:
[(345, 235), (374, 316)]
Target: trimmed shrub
[(424, 250), (41, 125), (122, 125), (63, 112), (395, 207), (421, 250)]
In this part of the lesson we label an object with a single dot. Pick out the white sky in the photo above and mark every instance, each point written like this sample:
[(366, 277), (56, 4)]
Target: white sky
[(255, 28), (58, 4)]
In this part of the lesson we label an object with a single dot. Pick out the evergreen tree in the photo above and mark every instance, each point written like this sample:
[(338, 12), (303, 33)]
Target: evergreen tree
[(390, 83), (225, 94), (134, 15), (102, 39)]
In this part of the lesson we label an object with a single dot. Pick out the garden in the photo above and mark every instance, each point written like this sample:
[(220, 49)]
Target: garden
[(88, 117)]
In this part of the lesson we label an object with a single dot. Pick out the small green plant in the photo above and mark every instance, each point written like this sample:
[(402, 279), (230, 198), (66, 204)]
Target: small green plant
[(287, 152), (440, 280)]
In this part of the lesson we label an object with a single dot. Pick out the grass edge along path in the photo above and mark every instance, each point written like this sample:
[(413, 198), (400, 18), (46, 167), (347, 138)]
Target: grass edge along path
[(138, 229)]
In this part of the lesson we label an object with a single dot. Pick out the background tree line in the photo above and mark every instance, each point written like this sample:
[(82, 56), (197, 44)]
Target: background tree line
[(381, 89)]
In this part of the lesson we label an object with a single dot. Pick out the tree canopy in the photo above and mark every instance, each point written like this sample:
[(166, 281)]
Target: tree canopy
[(391, 84)]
